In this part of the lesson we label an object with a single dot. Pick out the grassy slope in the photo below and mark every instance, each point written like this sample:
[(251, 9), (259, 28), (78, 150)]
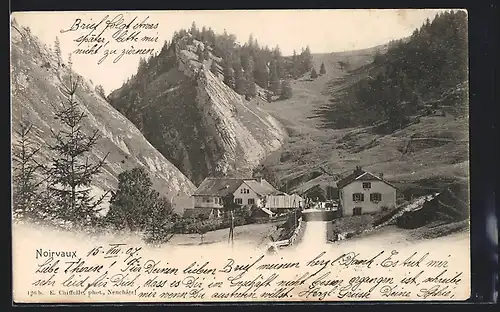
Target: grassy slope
[(441, 156)]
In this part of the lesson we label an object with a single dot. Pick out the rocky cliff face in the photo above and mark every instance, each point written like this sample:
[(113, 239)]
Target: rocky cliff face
[(194, 119), (35, 81)]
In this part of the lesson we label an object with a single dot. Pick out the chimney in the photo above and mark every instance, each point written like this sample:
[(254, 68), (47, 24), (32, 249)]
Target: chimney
[(381, 175), (358, 169)]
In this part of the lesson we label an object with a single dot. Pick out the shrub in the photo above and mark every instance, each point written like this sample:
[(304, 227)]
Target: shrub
[(314, 74)]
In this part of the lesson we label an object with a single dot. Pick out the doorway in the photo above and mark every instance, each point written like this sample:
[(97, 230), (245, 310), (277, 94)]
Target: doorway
[(356, 211)]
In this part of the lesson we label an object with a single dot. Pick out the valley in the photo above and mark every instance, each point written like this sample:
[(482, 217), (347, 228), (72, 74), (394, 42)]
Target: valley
[(208, 106), (239, 158), (427, 155)]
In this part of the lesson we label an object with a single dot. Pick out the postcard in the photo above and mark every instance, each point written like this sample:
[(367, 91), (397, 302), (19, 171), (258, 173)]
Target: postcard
[(230, 156)]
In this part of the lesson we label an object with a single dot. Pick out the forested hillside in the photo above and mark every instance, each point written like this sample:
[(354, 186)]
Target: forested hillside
[(195, 115), (420, 73), (242, 66)]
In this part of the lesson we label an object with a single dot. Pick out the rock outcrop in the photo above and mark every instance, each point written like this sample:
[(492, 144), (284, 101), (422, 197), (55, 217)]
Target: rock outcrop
[(36, 75), (194, 119)]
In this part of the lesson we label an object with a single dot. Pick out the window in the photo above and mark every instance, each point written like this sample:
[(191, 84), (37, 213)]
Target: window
[(251, 201), (375, 197), (239, 201), (367, 185), (358, 197), (356, 211), (244, 191), (206, 199)]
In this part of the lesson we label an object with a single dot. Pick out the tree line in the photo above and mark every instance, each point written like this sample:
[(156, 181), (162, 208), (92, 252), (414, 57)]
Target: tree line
[(59, 190), (413, 73), (244, 66), (59, 193)]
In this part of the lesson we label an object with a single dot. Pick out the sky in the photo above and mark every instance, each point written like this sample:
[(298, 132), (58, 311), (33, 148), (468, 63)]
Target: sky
[(323, 30)]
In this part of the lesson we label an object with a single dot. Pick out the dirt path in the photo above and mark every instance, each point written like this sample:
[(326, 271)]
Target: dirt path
[(315, 233)]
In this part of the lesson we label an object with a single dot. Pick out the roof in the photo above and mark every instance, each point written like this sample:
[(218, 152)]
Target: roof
[(262, 188), (360, 175), (218, 186), (224, 186)]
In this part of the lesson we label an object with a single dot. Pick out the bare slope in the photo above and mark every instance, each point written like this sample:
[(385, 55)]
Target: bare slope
[(35, 85), (195, 120), (433, 152)]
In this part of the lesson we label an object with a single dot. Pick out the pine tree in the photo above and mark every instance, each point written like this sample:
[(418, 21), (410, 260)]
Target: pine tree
[(57, 50), (199, 53), (135, 205), (240, 83), (314, 74), (378, 58), (296, 65), (286, 90), (250, 65), (194, 30), (280, 62), (244, 58), (229, 79), (261, 75), (322, 69), (251, 90), (71, 173), (251, 42), (274, 80), (306, 57), (204, 36), (25, 182)]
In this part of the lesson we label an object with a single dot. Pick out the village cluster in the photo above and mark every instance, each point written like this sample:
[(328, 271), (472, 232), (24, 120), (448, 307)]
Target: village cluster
[(358, 193)]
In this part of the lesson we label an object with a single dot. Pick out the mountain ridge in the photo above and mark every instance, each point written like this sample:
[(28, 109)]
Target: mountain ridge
[(199, 123), (430, 153), (35, 75)]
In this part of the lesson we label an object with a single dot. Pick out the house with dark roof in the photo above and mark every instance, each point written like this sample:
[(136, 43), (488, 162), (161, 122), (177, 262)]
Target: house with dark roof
[(247, 192), (364, 192)]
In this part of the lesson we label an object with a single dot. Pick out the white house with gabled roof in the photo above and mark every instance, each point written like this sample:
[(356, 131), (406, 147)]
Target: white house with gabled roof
[(364, 192), (256, 193)]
